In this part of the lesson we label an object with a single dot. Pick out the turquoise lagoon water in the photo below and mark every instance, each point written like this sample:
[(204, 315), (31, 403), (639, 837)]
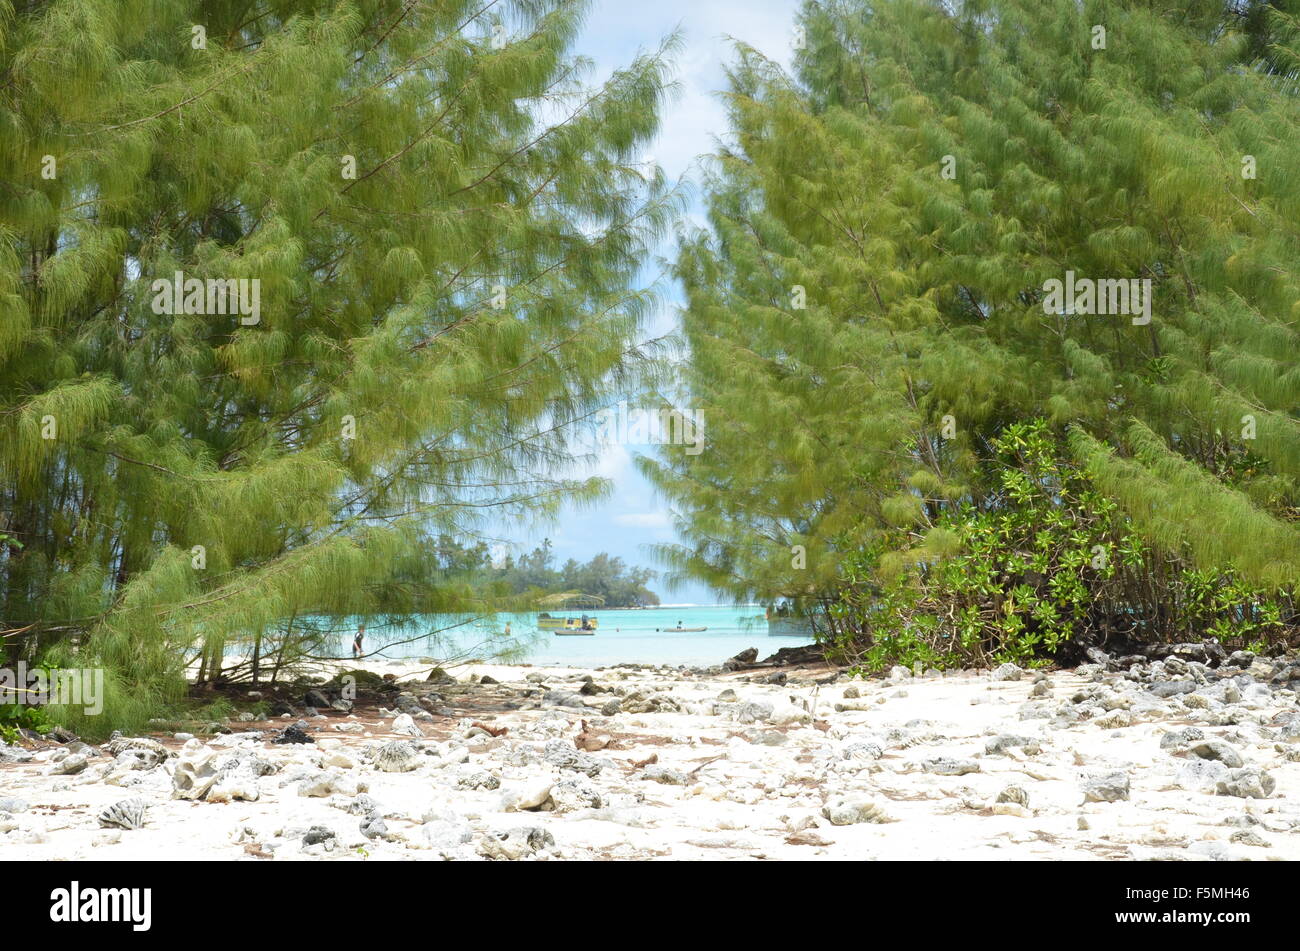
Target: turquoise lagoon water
[(624, 637)]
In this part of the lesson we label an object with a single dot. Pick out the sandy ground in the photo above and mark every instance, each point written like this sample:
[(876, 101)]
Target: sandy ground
[(685, 766)]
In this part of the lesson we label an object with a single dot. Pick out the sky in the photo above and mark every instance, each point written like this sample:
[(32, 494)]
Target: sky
[(635, 516)]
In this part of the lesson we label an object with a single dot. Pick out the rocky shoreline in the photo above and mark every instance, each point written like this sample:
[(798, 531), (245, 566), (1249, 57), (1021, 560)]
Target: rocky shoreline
[(1194, 754)]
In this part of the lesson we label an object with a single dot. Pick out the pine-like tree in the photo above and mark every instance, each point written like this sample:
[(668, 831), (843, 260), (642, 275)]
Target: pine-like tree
[(930, 168), (444, 219)]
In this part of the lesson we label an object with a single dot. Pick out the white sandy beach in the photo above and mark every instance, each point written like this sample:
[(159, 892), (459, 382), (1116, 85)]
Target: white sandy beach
[(682, 766)]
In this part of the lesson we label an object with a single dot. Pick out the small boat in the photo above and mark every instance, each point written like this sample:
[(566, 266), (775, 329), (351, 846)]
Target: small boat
[(561, 624), (573, 625), (575, 633), (685, 630)]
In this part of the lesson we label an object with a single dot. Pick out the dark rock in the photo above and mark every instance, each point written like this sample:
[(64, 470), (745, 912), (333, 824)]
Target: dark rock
[(293, 734), (1207, 652), (792, 656), (316, 835), (742, 660), (1098, 656)]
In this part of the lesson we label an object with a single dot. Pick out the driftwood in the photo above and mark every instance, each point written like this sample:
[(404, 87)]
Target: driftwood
[(785, 657)]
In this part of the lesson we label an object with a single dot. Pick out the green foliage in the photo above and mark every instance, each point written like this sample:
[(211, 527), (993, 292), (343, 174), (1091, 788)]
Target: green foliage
[(532, 573), (866, 314), (1044, 565), (432, 329), (17, 716)]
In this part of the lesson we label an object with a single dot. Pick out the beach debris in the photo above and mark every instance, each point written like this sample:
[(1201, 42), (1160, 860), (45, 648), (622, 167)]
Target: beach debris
[(998, 745), (515, 844), (1248, 783), (574, 794), (119, 744), (788, 714), (127, 814), (664, 775), (1250, 837), (399, 756), (238, 782), (318, 835), (373, 826), (195, 773), (69, 765), (1218, 750), (754, 712), (363, 804), (807, 837), (445, 833), (404, 725), (527, 798), (558, 753), (948, 766), (1015, 795), (852, 810), (1183, 737), (479, 780), (589, 741), (862, 751), (1113, 787), (293, 734), (746, 657)]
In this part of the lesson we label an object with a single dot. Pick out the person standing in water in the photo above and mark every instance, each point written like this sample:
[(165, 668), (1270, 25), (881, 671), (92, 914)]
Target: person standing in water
[(507, 628), (357, 650)]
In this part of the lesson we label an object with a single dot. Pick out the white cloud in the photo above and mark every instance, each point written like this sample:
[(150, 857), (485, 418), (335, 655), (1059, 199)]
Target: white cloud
[(616, 30), (614, 462)]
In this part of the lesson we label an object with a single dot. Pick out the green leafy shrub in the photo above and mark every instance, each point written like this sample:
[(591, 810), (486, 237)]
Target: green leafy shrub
[(18, 716), (1040, 568)]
